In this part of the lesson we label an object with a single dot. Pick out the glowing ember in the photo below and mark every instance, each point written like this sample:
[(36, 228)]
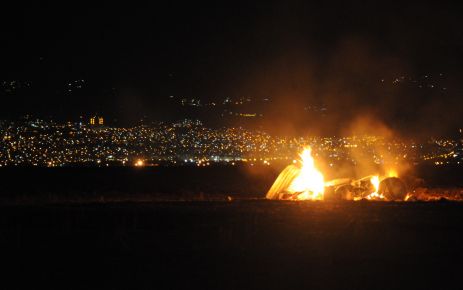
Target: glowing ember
[(407, 197)]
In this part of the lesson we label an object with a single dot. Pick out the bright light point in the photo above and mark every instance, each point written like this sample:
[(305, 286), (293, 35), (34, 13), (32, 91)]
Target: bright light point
[(392, 173)]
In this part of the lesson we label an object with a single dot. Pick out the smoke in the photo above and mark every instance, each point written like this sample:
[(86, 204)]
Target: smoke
[(323, 93), (381, 152)]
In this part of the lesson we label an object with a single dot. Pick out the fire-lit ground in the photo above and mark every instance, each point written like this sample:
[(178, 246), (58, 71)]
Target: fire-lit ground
[(234, 245)]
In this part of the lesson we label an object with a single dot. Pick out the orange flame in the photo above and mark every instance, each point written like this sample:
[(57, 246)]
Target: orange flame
[(303, 181), (309, 182), (392, 173), (375, 182)]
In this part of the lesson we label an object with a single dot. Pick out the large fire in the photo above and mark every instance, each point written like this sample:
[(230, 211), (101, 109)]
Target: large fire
[(299, 181), (303, 181), (309, 183)]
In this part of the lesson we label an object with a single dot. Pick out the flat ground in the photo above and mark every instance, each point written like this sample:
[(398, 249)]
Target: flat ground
[(243, 244)]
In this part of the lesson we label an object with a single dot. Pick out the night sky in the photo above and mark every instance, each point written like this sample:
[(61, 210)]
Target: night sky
[(343, 56)]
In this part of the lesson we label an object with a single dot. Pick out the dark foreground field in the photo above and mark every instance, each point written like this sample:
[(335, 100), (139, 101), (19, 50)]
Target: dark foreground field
[(70, 185), (233, 245)]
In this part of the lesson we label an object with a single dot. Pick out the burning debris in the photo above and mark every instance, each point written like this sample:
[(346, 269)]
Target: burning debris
[(303, 181)]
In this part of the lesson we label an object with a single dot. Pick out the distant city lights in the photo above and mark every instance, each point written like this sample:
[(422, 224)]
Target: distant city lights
[(188, 142)]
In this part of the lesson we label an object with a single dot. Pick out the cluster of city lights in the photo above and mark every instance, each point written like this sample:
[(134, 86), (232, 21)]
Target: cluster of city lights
[(189, 142)]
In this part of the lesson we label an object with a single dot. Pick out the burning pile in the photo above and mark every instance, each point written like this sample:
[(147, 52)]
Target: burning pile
[(303, 181)]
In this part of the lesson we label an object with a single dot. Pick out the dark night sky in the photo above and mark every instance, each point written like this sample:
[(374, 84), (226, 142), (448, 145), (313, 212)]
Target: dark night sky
[(295, 51)]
